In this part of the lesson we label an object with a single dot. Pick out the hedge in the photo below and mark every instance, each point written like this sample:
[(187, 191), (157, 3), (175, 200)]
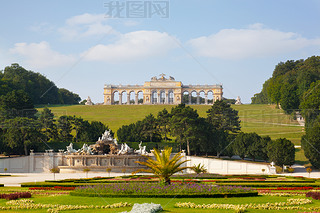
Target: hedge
[(242, 194), (264, 181), (270, 184), (44, 184)]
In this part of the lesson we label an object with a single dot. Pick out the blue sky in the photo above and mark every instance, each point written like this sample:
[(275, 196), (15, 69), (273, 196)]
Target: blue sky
[(81, 47)]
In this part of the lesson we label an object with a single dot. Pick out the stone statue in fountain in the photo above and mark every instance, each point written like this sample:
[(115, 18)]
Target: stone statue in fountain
[(125, 149), (141, 150), (70, 149), (106, 144), (85, 150)]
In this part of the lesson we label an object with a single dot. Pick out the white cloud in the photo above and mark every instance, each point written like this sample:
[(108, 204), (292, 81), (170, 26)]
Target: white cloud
[(43, 28), (85, 25), (132, 46), (40, 55), (254, 41)]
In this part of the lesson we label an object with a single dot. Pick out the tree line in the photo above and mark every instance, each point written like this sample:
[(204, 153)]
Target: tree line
[(295, 86), (289, 82), (217, 134), (310, 110), (40, 89), (20, 132)]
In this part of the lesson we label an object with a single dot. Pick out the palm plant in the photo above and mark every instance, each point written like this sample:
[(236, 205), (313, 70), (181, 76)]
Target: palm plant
[(198, 169), (162, 166)]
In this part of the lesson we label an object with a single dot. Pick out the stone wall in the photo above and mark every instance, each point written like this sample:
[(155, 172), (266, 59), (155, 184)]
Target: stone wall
[(34, 163), (228, 166), (43, 162)]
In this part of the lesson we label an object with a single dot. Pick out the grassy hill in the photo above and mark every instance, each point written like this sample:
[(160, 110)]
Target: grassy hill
[(262, 119)]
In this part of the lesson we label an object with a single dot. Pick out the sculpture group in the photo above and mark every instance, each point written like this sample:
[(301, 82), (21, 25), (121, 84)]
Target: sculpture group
[(106, 144)]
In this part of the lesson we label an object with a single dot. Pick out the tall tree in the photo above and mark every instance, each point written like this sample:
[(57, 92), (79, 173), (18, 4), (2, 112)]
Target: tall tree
[(16, 103), (183, 124), (310, 104), (241, 144), (21, 134), (47, 121), (281, 152), (163, 120), (97, 129), (149, 125), (223, 117), (65, 128), (68, 97), (38, 87), (77, 124), (310, 143)]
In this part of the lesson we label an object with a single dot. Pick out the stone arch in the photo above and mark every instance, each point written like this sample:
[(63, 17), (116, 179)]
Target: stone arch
[(162, 96), (139, 97), (185, 97), (202, 97), (194, 95), (170, 97), (131, 97), (124, 98), (154, 97), (210, 97), (115, 97)]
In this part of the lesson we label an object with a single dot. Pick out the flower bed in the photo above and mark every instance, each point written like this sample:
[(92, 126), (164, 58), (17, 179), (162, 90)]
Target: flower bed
[(29, 204), (58, 188), (314, 195), (274, 184), (291, 204), (265, 181), (44, 184), (16, 195), (157, 190), (303, 188), (280, 194)]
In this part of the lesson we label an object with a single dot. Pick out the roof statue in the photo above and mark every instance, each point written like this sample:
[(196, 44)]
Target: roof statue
[(238, 101), (89, 102)]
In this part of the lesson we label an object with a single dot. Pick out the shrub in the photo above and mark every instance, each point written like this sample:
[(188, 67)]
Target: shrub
[(290, 170), (198, 169), (160, 190), (14, 196), (314, 195)]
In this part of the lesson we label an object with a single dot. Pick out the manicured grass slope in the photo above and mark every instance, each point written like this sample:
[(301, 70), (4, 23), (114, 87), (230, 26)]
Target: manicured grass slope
[(262, 119)]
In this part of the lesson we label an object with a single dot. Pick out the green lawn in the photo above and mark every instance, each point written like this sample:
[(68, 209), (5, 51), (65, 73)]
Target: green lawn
[(262, 119), (166, 203)]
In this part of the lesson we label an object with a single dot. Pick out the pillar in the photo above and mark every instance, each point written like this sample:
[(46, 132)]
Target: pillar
[(128, 98), (198, 98), (32, 162), (166, 101), (205, 98), (189, 98), (120, 98), (136, 99), (159, 97)]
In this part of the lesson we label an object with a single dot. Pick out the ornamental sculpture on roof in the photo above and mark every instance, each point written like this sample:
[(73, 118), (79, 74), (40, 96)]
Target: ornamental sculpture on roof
[(161, 90)]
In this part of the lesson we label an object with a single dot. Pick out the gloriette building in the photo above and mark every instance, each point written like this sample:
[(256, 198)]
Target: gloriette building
[(161, 90)]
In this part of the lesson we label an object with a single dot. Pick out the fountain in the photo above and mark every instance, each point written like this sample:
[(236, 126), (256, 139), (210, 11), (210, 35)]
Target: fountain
[(105, 153)]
